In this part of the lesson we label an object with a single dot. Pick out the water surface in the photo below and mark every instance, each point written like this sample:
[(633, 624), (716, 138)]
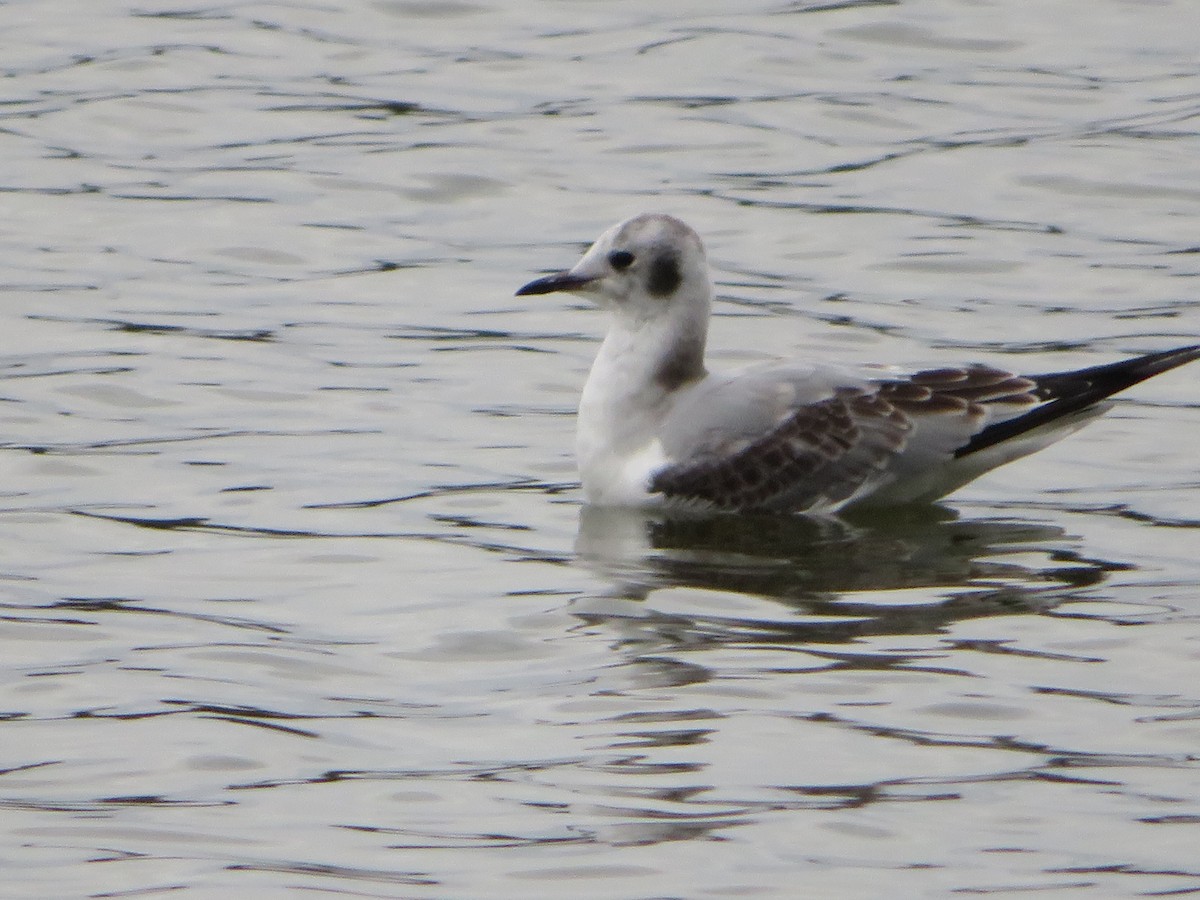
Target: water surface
[(299, 596)]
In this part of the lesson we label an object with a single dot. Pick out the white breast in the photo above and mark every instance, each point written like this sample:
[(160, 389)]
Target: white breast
[(619, 479)]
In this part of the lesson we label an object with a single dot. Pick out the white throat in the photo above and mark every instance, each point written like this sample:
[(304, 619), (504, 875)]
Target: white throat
[(642, 365)]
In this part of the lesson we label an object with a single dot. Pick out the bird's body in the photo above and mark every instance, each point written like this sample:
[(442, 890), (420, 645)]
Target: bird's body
[(655, 426)]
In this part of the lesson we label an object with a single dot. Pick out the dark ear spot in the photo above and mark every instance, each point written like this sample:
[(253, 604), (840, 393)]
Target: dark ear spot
[(664, 275)]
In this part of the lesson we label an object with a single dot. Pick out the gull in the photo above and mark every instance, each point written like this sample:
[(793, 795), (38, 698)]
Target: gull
[(656, 427)]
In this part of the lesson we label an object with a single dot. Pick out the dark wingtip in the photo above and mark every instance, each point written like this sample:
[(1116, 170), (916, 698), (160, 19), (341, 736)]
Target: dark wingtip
[(559, 281), (1113, 377), (1071, 392)]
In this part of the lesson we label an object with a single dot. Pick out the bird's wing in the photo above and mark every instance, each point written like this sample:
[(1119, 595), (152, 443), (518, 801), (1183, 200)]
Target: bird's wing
[(792, 439)]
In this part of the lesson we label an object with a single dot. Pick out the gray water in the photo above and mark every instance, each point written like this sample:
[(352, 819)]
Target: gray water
[(298, 594)]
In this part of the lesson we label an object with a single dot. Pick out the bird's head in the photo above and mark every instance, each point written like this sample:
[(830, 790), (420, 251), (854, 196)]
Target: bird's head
[(642, 267)]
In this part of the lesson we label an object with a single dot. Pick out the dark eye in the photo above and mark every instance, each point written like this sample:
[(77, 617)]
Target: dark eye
[(620, 259)]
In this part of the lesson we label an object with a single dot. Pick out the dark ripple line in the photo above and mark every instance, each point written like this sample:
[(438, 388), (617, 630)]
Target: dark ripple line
[(31, 288), (68, 449), (448, 333), (449, 490), (347, 104), (329, 870), (108, 804), (844, 623), (242, 714), (316, 139), (1129, 342), (1117, 510), (51, 191), (465, 772), (1137, 125), (833, 7), (1131, 869), (187, 15), (126, 605), (493, 842), (203, 524), (1167, 701), (862, 208), (228, 334), (1055, 758), (206, 526), (185, 198), (28, 766), (83, 370)]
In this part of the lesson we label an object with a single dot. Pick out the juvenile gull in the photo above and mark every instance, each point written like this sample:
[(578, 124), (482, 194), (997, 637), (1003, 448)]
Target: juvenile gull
[(655, 426)]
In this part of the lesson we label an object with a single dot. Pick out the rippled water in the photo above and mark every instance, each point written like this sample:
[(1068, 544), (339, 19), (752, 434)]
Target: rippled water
[(298, 593)]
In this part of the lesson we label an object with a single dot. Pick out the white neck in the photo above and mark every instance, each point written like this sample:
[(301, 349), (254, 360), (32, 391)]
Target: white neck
[(641, 365)]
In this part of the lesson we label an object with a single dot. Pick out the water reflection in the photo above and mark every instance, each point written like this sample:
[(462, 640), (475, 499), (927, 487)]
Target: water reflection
[(913, 571), (811, 633)]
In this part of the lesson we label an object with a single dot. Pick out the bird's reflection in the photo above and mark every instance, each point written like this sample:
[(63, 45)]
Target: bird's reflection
[(773, 601), (842, 575)]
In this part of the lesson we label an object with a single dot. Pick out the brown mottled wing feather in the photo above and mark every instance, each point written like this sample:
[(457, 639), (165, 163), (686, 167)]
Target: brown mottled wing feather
[(818, 455), (824, 452), (964, 400), (936, 391)]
